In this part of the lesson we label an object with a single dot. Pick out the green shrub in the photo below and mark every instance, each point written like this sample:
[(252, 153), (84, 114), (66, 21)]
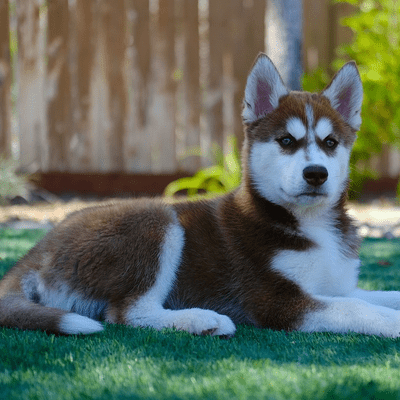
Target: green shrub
[(11, 183), (222, 177)]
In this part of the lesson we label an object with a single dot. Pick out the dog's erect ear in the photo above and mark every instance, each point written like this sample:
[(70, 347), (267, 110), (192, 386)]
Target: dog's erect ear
[(345, 93), (263, 89)]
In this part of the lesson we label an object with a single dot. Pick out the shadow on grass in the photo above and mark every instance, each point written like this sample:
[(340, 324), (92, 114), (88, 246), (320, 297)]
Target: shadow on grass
[(250, 344), (126, 362)]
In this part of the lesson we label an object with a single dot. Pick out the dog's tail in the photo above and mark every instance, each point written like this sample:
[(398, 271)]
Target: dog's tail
[(16, 311)]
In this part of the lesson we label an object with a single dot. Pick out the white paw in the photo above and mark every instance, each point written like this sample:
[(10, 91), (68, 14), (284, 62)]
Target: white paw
[(203, 322)]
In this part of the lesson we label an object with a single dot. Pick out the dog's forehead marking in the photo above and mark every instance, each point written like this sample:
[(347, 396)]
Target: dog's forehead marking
[(323, 128), (296, 128), (310, 117)]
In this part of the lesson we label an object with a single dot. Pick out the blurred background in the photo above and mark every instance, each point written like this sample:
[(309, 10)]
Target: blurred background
[(122, 97)]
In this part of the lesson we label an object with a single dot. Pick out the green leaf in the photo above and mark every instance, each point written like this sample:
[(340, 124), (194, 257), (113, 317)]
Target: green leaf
[(222, 177)]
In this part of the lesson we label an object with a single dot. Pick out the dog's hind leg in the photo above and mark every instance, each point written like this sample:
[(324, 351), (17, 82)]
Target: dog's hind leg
[(148, 310)]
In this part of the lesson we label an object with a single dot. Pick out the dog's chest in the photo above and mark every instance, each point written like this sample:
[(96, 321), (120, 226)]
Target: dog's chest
[(325, 268)]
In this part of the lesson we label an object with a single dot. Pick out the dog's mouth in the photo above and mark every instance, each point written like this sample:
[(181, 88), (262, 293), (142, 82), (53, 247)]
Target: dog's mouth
[(306, 196), (311, 194)]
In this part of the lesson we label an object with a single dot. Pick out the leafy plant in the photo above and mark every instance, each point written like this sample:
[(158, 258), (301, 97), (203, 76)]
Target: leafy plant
[(11, 183), (222, 177), (376, 49)]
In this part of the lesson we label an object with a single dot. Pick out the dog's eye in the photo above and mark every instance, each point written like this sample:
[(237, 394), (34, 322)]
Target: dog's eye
[(286, 141), (331, 143)]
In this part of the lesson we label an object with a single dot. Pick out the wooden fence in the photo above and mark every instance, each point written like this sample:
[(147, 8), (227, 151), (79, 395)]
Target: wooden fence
[(134, 85)]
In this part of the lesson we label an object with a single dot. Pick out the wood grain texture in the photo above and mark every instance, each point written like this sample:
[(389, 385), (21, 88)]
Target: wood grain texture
[(5, 80)]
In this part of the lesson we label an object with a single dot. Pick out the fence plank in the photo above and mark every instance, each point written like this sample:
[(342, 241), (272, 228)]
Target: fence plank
[(59, 85), (82, 54), (138, 143), (248, 39), (340, 34), (108, 100), (114, 28), (163, 107), (31, 101), (191, 81), (5, 80), (218, 33), (99, 96), (317, 34), (143, 56)]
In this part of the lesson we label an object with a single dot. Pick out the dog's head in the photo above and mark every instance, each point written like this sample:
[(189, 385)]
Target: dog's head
[(298, 144)]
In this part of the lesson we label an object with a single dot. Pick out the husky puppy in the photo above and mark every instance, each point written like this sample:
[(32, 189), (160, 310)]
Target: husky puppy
[(279, 252)]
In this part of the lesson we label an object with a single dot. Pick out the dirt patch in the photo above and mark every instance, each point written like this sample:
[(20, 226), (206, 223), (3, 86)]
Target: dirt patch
[(53, 212), (384, 216), (386, 213)]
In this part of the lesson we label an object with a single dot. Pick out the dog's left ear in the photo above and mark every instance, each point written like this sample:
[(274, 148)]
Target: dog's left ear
[(345, 93), (264, 88)]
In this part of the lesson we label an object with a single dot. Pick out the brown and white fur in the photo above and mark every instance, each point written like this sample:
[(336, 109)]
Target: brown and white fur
[(279, 252)]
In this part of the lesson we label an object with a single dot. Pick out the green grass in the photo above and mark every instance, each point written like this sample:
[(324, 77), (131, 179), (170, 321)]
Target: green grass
[(125, 362)]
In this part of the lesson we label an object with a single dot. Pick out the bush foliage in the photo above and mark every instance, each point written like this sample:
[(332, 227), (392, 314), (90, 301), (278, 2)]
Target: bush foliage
[(11, 183), (221, 177)]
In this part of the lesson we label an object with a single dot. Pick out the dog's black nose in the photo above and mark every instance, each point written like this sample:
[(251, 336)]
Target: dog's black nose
[(315, 175)]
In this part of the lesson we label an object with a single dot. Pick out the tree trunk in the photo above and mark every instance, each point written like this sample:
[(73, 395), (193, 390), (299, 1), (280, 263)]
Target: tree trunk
[(284, 39)]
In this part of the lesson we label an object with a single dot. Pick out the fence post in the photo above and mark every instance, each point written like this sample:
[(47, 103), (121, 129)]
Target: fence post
[(5, 78)]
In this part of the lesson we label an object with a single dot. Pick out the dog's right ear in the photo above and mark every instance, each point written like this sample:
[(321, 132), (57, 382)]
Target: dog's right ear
[(263, 90)]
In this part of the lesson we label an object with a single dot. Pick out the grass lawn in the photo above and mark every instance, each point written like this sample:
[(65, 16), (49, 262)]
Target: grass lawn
[(125, 362)]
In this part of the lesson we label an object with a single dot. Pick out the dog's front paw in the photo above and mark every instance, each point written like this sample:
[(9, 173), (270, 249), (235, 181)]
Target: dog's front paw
[(204, 322)]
